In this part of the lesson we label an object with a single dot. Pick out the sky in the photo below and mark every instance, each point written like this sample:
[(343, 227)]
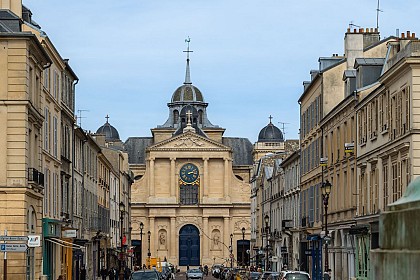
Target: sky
[(249, 57)]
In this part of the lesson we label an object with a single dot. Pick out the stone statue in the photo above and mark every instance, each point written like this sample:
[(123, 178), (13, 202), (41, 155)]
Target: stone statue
[(162, 240), (216, 241)]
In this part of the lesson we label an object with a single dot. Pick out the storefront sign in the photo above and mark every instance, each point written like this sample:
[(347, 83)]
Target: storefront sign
[(34, 240), (69, 233)]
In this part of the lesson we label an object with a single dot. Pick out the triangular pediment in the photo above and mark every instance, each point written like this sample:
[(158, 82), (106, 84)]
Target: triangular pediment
[(189, 140)]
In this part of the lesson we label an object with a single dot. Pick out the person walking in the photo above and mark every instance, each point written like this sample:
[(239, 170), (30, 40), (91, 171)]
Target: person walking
[(104, 273), (83, 273)]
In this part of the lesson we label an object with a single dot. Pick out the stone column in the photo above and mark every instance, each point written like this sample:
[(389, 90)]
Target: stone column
[(206, 233), (152, 177), (173, 239), (173, 177), (226, 235), (226, 193), (206, 177)]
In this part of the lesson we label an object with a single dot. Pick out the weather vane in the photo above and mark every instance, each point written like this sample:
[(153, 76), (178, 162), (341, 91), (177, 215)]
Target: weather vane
[(188, 40)]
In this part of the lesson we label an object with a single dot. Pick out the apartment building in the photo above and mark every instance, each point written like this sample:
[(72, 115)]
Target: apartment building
[(387, 139), (327, 125)]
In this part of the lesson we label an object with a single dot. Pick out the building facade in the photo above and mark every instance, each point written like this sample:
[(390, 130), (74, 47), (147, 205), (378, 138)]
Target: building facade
[(191, 188)]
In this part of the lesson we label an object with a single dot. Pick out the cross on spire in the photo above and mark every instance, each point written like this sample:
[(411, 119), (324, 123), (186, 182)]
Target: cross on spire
[(189, 114), (270, 117), (187, 71), (107, 117)]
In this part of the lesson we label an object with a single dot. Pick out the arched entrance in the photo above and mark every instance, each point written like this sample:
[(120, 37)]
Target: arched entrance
[(189, 246)]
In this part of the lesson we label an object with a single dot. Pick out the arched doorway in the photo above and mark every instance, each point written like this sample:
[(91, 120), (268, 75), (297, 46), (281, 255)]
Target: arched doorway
[(189, 246)]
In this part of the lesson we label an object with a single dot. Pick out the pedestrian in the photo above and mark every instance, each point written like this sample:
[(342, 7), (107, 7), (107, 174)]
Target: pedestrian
[(188, 267), (83, 273), (327, 274), (104, 273), (127, 273), (60, 277)]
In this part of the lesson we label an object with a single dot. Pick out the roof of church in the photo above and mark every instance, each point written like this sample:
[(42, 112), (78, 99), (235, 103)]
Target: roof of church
[(136, 149), (270, 133), (242, 149), (111, 133)]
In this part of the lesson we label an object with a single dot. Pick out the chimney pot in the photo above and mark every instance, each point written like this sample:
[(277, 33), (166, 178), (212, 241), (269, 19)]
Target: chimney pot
[(376, 29), (413, 35), (408, 34), (355, 30), (348, 30), (402, 35), (360, 30)]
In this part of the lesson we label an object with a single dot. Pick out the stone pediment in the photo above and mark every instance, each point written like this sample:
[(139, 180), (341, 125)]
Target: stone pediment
[(189, 140)]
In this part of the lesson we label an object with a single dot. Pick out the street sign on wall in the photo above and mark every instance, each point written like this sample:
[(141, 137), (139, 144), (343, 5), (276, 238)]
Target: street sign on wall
[(13, 238), (34, 240), (8, 247)]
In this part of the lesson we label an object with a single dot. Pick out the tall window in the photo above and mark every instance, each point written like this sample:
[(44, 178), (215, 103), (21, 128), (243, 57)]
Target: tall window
[(385, 185), (55, 136), (188, 194), (47, 129), (46, 191)]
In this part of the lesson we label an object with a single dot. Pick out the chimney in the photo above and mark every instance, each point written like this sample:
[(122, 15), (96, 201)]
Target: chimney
[(408, 34)]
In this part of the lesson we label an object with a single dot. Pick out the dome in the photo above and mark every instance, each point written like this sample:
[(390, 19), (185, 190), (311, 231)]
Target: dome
[(111, 134), (270, 133), (187, 93)]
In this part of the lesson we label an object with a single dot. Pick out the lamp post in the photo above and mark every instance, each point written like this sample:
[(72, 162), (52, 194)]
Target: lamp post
[(148, 244), (231, 250), (122, 212), (141, 243), (326, 190), (267, 231), (243, 246)]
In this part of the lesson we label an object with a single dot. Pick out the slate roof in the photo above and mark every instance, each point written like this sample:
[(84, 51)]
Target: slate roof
[(368, 61), (136, 149), (9, 22), (242, 150)]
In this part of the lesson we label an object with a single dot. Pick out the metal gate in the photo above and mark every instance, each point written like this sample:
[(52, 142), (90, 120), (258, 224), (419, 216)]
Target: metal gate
[(189, 246)]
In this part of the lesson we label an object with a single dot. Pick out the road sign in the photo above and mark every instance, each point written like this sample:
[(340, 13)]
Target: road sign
[(13, 238), (231, 256), (8, 247)]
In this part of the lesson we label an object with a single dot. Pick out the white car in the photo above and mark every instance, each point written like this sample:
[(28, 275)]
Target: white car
[(294, 275)]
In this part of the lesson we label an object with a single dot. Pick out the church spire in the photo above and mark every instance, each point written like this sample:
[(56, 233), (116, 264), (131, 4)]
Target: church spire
[(187, 72)]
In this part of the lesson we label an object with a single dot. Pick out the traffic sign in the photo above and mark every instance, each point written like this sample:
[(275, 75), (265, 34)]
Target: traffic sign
[(231, 256), (13, 238), (8, 247)]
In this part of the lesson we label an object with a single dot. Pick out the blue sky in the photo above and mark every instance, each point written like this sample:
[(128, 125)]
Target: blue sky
[(250, 57)]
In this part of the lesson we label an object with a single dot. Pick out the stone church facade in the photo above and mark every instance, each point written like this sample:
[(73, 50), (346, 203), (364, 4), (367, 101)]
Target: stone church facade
[(191, 191)]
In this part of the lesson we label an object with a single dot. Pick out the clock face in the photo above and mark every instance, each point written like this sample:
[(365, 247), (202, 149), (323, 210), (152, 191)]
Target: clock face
[(188, 173)]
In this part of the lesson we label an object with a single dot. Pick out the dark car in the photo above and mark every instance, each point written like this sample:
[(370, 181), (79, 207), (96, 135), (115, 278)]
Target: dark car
[(145, 275), (254, 275)]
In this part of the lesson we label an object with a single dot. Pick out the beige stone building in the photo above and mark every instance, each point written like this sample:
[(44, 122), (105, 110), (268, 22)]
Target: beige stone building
[(191, 189), (327, 124), (387, 140), (22, 61)]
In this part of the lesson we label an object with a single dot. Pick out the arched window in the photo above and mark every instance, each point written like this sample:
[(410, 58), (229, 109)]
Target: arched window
[(176, 116)]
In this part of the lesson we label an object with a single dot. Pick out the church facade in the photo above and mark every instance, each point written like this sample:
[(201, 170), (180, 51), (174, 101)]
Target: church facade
[(191, 195)]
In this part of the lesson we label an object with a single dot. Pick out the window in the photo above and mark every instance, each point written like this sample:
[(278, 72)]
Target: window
[(47, 129), (46, 191), (47, 78), (385, 185), (188, 194), (55, 137)]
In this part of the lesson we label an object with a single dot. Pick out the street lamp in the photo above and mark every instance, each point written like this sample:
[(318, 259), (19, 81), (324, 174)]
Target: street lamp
[(122, 212), (267, 231), (231, 250), (326, 190), (243, 246), (148, 241), (141, 243)]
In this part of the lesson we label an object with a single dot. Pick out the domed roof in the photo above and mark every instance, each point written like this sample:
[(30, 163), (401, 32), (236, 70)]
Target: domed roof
[(111, 134), (187, 93), (270, 133)]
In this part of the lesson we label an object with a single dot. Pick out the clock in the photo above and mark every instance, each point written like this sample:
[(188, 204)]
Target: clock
[(188, 173)]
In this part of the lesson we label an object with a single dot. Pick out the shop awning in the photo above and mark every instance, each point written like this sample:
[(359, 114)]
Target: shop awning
[(63, 243)]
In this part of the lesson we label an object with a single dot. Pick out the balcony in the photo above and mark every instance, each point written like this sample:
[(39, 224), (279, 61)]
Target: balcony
[(35, 177)]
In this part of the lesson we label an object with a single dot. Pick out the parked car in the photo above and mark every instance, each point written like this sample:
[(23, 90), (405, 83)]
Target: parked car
[(194, 273), (254, 275), (265, 274), (145, 275), (294, 275)]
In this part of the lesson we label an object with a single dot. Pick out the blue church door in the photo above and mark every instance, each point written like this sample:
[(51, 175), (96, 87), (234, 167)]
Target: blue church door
[(189, 246)]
